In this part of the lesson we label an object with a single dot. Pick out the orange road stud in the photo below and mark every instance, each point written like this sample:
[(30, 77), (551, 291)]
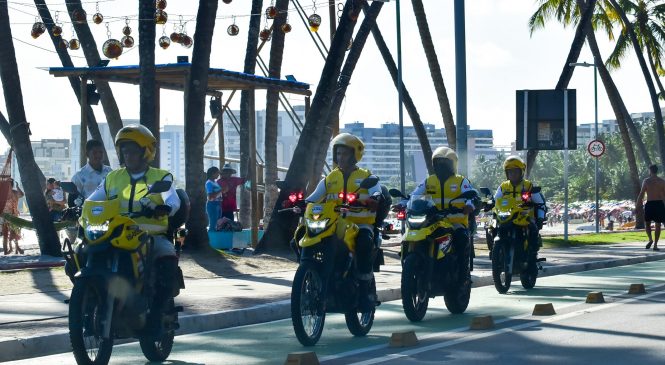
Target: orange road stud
[(546, 309), (636, 289), (302, 358), (482, 323), (403, 339), (595, 297)]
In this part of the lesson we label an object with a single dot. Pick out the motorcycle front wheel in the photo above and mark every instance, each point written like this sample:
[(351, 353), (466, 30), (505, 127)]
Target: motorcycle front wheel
[(500, 274), (360, 323), (86, 311), (307, 314), (528, 277), (159, 350), (415, 297), (457, 297)]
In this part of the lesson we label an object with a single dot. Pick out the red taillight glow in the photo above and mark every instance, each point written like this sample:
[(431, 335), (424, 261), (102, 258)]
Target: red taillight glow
[(526, 196), (341, 195), (293, 197), (300, 195), (351, 197), (401, 215)]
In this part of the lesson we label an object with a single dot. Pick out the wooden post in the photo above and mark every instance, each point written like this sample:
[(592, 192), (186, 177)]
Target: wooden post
[(84, 121), (260, 176), (254, 223), (220, 133)]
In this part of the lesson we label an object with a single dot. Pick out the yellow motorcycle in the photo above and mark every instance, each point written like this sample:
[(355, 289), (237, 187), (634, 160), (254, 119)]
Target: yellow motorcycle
[(510, 254), (326, 279), (429, 261), (114, 282)]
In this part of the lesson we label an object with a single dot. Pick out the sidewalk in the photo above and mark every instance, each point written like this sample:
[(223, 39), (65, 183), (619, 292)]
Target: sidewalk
[(36, 324)]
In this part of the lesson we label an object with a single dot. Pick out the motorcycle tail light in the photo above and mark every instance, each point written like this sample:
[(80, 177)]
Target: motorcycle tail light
[(293, 197), (341, 195), (300, 195), (401, 215), (351, 197)]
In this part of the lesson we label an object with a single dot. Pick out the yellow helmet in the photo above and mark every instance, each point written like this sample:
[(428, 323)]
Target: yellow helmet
[(141, 136), (351, 141), (514, 162), (447, 153)]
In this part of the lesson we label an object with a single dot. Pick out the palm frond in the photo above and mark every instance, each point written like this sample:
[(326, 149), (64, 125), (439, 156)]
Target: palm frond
[(622, 45)]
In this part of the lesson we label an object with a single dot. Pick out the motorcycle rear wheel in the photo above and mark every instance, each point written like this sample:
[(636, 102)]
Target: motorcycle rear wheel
[(360, 323), (500, 274), (159, 350), (528, 277), (85, 326), (415, 298), (306, 296)]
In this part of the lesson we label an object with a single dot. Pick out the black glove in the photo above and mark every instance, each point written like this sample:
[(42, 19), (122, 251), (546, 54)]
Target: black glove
[(161, 211), (539, 223)]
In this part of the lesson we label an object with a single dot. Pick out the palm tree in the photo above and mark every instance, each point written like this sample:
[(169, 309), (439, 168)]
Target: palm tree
[(195, 93), (66, 61), (20, 140), (272, 101), (649, 31), (147, 86), (647, 77), (91, 54), (301, 165), (435, 71), (247, 105)]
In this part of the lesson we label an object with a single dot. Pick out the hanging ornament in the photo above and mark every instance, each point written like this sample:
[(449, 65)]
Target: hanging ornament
[(286, 27), (37, 29), (265, 35), (79, 16), (57, 30), (64, 44), (187, 41), (98, 18), (175, 37), (112, 48), (127, 41), (271, 12), (126, 30), (226, 1), (314, 21), (233, 29), (74, 44), (161, 4), (164, 42), (161, 17)]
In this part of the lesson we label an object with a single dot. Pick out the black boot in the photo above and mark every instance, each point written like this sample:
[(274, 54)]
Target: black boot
[(166, 268), (366, 298)]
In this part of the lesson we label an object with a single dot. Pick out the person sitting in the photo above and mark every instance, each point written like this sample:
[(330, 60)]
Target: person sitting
[(55, 199)]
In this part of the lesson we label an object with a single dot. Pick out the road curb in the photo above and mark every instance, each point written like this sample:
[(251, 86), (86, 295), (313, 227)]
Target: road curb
[(35, 346)]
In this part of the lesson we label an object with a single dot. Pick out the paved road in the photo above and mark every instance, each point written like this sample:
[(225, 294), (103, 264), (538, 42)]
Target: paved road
[(628, 326)]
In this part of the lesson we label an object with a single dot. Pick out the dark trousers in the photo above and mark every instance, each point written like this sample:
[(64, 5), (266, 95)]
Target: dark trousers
[(532, 236), (461, 246), (364, 245)]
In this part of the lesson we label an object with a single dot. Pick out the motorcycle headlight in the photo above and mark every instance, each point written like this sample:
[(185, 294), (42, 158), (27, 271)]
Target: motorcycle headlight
[(504, 215), (416, 220), (94, 231), (316, 227)]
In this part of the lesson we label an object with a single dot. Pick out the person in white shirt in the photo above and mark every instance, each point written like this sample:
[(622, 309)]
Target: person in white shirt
[(88, 178)]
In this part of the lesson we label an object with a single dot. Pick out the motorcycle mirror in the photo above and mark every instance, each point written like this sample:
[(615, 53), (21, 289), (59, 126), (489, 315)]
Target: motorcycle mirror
[(68, 187), (535, 190), (485, 191), (396, 193), (369, 181), (160, 187)]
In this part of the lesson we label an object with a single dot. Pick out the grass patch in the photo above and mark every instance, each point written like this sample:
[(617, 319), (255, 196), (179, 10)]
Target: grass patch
[(594, 239)]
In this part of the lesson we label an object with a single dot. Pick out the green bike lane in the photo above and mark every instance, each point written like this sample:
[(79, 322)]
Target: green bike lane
[(270, 343)]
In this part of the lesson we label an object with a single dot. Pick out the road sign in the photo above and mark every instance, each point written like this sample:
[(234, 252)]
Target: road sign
[(596, 148)]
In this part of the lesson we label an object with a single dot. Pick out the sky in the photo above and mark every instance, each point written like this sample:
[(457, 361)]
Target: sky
[(502, 57)]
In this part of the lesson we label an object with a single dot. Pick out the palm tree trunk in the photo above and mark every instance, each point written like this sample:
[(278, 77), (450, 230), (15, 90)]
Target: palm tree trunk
[(20, 136), (567, 71), (342, 84), (246, 97), (272, 101), (5, 128), (435, 71), (301, 165), (147, 86), (195, 94), (618, 106), (66, 61), (409, 105), (89, 47), (660, 129)]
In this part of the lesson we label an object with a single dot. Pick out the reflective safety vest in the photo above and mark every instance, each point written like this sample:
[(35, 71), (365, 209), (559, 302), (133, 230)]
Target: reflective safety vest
[(514, 192), (335, 184), (119, 185), (452, 189)]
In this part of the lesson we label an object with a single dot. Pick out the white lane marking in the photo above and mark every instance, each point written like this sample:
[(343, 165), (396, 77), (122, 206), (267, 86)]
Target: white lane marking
[(657, 290)]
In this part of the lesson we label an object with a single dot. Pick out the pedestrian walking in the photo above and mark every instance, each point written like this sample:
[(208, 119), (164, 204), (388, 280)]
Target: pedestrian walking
[(654, 209)]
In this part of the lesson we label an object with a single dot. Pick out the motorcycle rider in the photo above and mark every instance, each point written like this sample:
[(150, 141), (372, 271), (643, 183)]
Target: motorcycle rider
[(136, 147), (513, 188), (443, 186), (347, 151)]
